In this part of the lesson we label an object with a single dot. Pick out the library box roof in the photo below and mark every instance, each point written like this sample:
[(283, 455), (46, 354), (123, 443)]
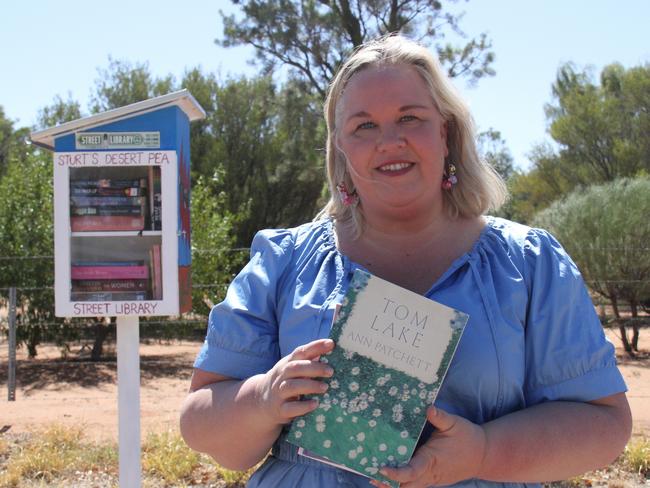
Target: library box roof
[(182, 99)]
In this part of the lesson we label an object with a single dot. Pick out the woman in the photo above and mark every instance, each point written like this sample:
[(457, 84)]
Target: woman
[(533, 393)]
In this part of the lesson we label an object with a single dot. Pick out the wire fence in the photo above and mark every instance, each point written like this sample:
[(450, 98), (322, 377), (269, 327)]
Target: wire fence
[(603, 306)]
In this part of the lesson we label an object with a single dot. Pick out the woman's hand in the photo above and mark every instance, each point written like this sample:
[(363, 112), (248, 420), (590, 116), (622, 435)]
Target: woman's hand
[(453, 453), (291, 377)]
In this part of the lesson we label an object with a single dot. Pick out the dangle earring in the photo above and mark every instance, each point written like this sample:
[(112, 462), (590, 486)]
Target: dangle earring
[(348, 199), (449, 177)]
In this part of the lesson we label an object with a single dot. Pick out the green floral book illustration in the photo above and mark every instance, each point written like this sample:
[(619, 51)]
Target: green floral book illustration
[(393, 349)]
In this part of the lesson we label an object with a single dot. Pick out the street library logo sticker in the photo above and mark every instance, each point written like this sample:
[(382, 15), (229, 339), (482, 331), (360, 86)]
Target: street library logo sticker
[(117, 140)]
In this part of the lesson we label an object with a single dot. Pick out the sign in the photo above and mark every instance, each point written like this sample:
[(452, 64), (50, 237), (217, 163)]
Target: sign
[(114, 158), (117, 140)]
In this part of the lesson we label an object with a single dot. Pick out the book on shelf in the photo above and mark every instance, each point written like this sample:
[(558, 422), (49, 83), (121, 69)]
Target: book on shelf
[(100, 201), (109, 183), (99, 223), (133, 210), (110, 285), (109, 272), (107, 296), (155, 198), (107, 191), (393, 349), (156, 272)]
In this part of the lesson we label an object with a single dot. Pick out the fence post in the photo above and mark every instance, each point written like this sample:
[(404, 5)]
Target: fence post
[(12, 345)]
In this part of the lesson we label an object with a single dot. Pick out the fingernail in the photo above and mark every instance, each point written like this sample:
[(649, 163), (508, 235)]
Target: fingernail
[(329, 371), (324, 386)]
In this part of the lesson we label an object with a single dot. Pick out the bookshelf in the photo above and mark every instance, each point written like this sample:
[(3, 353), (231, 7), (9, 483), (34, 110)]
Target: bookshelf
[(121, 218)]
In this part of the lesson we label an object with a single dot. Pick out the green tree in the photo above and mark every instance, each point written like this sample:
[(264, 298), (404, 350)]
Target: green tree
[(313, 37), (214, 258), (27, 244), (606, 230), (13, 142), (123, 83), (266, 157), (59, 112), (600, 130), (493, 149)]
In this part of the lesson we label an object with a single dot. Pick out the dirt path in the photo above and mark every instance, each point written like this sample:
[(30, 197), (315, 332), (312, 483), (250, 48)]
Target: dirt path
[(84, 393)]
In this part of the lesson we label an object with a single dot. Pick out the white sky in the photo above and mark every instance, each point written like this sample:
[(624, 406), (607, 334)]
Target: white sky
[(54, 48)]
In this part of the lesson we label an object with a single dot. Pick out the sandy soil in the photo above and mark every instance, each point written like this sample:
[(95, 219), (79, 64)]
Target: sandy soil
[(80, 392)]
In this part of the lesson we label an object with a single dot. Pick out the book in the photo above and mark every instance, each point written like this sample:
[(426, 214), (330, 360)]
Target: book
[(155, 198), (110, 285), (80, 272), (156, 272), (107, 296), (107, 210), (108, 183), (137, 262), (98, 223), (107, 191), (393, 349), (107, 201)]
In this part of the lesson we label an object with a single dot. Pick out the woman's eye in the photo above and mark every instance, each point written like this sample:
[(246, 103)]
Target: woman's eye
[(408, 118), (366, 125)]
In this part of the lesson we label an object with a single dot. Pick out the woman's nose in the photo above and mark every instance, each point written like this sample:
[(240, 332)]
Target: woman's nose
[(390, 137)]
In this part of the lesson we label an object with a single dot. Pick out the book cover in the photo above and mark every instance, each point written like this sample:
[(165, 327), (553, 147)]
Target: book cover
[(156, 192), (132, 210), (107, 201), (393, 349), (109, 272), (156, 266), (107, 191), (110, 285), (137, 262), (108, 183), (98, 223)]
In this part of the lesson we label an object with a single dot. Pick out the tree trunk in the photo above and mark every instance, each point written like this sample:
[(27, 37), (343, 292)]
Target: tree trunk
[(101, 331), (33, 340), (621, 327), (635, 326)]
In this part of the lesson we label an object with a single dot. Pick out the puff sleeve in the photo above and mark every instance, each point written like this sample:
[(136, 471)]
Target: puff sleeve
[(567, 354), (242, 337)]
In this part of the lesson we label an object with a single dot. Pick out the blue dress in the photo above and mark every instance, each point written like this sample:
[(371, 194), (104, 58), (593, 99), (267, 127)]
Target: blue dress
[(533, 334)]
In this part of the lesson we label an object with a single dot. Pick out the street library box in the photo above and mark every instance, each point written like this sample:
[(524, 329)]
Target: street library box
[(122, 209)]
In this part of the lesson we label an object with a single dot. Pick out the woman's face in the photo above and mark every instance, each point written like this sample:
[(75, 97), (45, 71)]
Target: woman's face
[(395, 140)]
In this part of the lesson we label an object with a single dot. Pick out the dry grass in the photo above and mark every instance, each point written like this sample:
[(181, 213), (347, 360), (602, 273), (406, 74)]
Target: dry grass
[(60, 456), (637, 456)]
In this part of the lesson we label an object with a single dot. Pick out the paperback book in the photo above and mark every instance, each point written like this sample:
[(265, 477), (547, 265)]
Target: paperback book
[(116, 271), (393, 349)]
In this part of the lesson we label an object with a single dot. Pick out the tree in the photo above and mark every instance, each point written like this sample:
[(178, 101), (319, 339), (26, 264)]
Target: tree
[(59, 112), (122, 84), (495, 152), (266, 155), (313, 37), (600, 131), (26, 246), (606, 230), (13, 142), (214, 259)]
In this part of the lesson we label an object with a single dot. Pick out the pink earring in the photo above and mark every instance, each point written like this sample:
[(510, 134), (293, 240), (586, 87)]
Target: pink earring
[(347, 198), (449, 178)]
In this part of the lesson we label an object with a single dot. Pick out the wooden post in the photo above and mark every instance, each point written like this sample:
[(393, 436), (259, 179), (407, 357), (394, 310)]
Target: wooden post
[(128, 400), (11, 383)]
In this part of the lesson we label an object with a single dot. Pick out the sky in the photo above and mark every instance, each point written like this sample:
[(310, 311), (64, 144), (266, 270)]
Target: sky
[(52, 48)]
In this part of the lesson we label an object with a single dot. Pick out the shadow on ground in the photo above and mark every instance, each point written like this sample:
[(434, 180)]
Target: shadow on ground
[(59, 374)]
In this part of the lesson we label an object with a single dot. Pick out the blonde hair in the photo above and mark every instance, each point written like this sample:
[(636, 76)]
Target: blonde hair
[(479, 187)]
